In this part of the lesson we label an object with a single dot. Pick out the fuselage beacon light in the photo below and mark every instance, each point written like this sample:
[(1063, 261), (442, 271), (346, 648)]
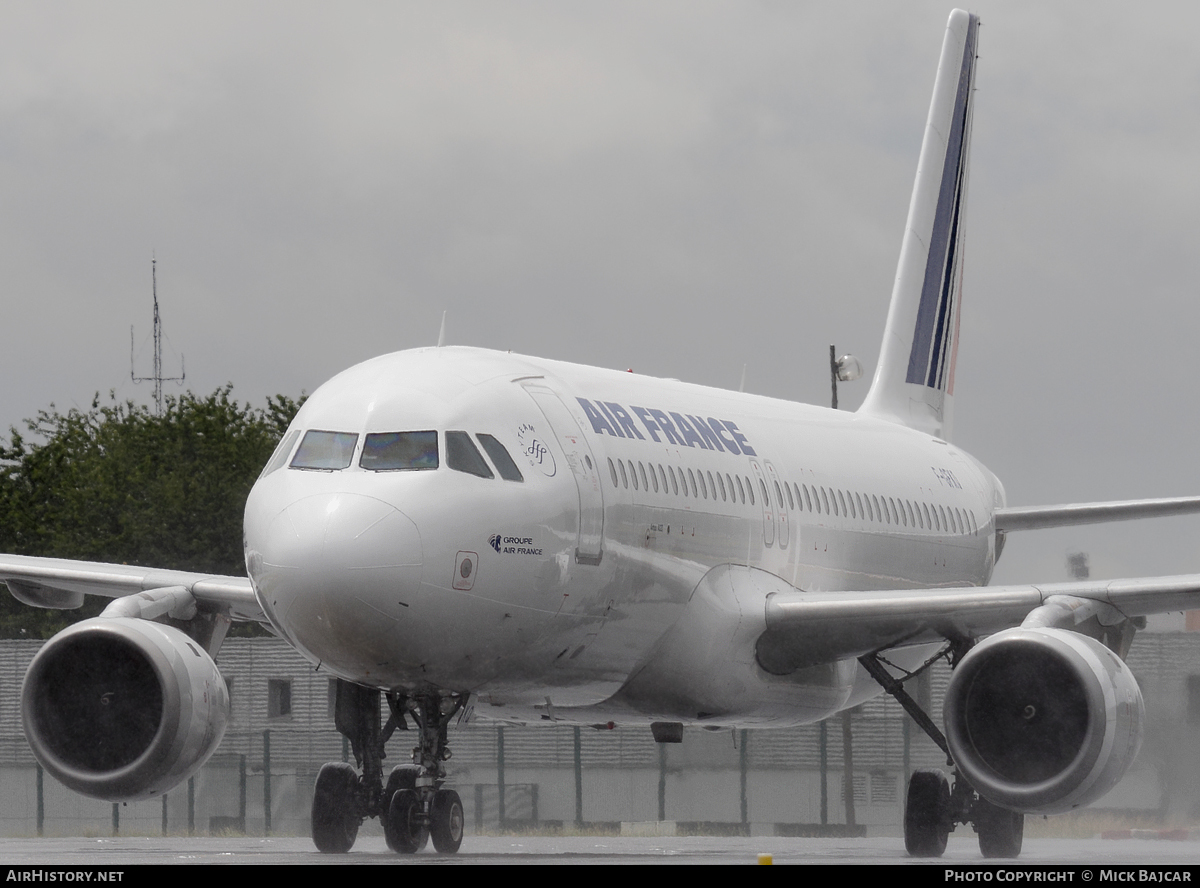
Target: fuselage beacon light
[(451, 530)]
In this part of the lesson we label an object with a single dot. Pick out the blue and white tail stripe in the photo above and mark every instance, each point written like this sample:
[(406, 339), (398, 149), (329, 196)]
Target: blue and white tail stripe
[(914, 381), (937, 316)]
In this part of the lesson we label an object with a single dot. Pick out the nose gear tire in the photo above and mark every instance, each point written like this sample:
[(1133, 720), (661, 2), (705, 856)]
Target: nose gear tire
[(446, 821), (404, 825)]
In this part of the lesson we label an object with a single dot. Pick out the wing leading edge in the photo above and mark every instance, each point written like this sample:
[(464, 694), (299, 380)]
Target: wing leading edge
[(1041, 517), (806, 629), (60, 583)]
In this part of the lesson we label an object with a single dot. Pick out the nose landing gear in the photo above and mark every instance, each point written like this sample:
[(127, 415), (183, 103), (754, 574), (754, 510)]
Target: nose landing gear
[(413, 806)]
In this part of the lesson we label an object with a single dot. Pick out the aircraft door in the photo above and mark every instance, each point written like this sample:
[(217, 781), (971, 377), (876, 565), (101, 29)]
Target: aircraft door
[(768, 515), (584, 470), (781, 511)]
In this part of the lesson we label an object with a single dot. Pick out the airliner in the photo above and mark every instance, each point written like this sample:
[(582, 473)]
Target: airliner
[(456, 532)]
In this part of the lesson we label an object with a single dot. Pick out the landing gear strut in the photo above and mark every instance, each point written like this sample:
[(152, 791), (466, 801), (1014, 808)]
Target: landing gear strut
[(933, 807), (412, 805)]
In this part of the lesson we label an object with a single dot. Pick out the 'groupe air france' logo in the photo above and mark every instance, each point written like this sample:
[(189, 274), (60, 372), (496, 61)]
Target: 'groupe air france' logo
[(536, 451), (514, 545)]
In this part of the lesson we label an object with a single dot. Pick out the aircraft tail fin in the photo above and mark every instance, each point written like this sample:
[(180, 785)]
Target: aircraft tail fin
[(914, 381)]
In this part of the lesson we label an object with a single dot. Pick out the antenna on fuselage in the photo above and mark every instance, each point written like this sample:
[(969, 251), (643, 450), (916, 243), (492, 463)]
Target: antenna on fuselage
[(158, 379), (742, 384), (442, 332)]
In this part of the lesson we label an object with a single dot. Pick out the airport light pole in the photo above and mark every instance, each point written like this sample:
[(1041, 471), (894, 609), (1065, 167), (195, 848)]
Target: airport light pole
[(847, 368)]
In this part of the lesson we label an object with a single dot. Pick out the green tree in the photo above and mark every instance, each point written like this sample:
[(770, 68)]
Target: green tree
[(119, 483)]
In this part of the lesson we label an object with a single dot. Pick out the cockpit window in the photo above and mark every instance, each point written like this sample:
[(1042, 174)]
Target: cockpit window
[(396, 451), (463, 456), (325, 451), (504, 463), (279, 457)]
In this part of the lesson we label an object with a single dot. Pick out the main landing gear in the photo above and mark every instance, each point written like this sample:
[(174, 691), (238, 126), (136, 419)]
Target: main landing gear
[(933, 807), (413, 805)]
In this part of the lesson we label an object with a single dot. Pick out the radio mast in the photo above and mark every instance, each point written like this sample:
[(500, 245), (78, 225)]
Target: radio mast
[(158, 379)]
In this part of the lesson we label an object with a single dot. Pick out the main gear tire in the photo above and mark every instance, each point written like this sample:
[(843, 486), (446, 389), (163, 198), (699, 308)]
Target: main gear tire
[(1001, 831), (927, 814), (335, 820)]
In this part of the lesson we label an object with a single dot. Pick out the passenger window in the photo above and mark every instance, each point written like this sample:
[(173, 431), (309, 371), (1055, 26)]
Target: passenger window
[(325, 451), (613, 471), (464, 456), (791, 502), (282, 452), (394, 451), (624, 477), (504, 463), (645, 481)]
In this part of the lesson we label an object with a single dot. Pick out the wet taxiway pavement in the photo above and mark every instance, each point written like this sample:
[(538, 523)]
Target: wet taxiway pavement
[(116, 852)]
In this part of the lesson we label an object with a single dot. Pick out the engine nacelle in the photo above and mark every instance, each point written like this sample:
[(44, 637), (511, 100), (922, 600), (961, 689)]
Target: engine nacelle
[(1043, 720), (123, 709)]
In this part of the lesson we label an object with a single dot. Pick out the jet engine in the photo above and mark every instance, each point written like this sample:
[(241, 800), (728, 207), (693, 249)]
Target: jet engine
[(1043, 720), (123, 709)]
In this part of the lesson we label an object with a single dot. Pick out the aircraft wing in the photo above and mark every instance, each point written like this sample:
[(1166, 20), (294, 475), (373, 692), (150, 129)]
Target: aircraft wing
[(805, 629), (1040, 517), (60, 583)]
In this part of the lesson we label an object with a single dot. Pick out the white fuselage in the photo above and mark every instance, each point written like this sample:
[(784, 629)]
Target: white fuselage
[(556, 596)]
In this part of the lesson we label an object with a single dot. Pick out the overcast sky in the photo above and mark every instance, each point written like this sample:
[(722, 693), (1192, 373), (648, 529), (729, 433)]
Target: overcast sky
[(680, 188)]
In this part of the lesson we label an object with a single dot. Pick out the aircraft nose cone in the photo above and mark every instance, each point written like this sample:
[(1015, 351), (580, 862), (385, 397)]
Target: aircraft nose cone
[(336, 570)]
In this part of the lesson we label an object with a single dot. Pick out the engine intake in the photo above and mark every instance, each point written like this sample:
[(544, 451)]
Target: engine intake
[(1043, 720), (123, 709)]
